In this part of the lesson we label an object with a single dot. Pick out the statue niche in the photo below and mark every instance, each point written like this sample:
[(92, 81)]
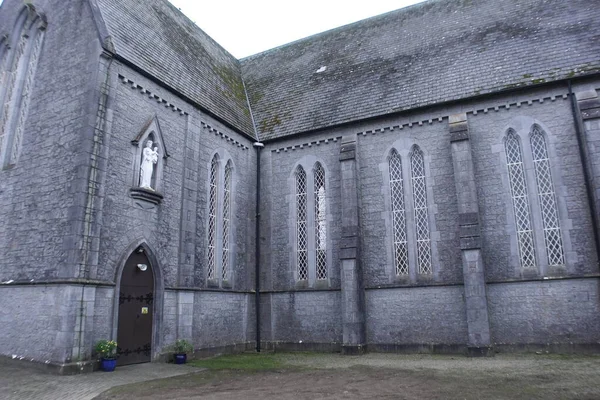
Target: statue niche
[(149, 157)]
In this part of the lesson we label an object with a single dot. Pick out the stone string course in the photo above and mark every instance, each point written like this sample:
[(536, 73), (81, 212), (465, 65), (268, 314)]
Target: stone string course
[(430, 121)]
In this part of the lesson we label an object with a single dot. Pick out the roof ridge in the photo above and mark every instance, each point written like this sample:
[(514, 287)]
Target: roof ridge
[(349, 25)]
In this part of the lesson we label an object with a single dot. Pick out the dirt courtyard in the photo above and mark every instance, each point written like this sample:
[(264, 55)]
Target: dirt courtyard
[(377, 376)]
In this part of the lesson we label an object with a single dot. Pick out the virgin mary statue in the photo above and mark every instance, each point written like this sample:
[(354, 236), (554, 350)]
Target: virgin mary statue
[(149, 158)]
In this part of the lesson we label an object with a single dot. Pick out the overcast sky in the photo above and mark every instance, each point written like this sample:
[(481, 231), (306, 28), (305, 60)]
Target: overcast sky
[(249, 27)]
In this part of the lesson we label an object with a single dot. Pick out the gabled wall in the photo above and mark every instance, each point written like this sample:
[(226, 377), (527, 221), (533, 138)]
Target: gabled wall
[(43, 196)]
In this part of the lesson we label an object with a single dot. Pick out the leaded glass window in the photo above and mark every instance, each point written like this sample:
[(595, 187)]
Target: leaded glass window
[(3, 61), (520, 198), (301, 225), (545, 190), (10, 96), (398, 214), (212, 218), (226, 220), (419, 187), (25, 96), (320, 223), (17, 69)]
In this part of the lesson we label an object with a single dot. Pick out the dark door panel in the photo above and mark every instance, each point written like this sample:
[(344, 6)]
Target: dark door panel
[(136, 303)]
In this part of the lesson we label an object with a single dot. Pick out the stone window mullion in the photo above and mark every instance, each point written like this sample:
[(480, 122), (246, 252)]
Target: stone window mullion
[(310, 207)]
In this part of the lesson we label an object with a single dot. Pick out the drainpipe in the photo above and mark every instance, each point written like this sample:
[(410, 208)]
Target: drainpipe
[(585, 164), (258, 146)]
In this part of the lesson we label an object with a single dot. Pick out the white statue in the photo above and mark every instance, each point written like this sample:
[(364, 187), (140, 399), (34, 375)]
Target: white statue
[(149, 158)]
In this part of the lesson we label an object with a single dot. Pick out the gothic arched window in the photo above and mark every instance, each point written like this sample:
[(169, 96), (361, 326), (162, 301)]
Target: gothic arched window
[(320, 223), (547, 198), (419, 187), (226, 220), (18, 64), (398, 214), (520, 199), (212, 218), (220, 228), (310, 246), (301, 226)]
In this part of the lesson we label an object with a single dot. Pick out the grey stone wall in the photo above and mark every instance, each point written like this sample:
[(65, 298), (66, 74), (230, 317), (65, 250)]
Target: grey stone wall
[(307, 317), (377, 237), (176, 229), (488, 121), (555, 311), (278, 212), (286, 317), (67, 214), (418, 315), (488, 130), (41, 197), (220, 319), (40, 322), (126, 220)]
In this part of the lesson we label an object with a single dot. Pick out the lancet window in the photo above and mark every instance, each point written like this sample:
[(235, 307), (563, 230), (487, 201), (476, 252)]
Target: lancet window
[(419, 186), (226, 220), (410, 228), (301, 226), (320, 223), (545, 189), (18, 63), (398, 214), (311, 225), (520, 199), (535, 202), (220, 197)]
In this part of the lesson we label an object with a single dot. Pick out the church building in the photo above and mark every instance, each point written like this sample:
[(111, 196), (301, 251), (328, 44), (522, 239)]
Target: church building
[(426, 180)]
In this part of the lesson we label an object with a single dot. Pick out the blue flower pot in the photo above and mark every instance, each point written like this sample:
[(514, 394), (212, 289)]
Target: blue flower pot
[(180, 358), (108, 364)]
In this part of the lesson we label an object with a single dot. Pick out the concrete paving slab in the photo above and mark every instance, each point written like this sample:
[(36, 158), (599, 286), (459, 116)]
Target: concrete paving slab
[(23, 383)]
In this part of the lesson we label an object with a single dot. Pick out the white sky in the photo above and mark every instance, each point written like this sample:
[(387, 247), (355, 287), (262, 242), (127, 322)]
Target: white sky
[(249, 27)]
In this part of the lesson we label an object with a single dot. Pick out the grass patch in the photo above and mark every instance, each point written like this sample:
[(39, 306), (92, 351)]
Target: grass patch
[(242, 362)]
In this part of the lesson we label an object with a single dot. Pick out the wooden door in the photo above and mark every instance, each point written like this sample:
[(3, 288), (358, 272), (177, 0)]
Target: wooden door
[(136, 300)]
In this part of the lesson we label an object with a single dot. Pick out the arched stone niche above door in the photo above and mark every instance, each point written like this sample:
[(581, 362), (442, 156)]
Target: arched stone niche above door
[(149, 156)]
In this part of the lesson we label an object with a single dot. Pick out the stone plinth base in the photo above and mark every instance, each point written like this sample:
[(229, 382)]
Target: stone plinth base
[(354, 350), (487, 351)]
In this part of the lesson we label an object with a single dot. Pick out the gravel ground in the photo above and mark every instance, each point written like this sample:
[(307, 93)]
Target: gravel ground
[(386, 376)]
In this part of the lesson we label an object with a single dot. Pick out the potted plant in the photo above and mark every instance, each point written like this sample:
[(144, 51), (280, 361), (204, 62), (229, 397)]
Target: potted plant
[(181, 348), (107, 350)]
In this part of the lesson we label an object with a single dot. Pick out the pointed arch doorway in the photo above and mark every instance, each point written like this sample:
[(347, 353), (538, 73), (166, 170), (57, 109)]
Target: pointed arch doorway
[(136, 304)]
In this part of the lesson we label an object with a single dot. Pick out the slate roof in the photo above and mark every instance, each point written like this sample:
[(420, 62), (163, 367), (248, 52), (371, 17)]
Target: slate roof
[(438, 51), (160, 40)]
